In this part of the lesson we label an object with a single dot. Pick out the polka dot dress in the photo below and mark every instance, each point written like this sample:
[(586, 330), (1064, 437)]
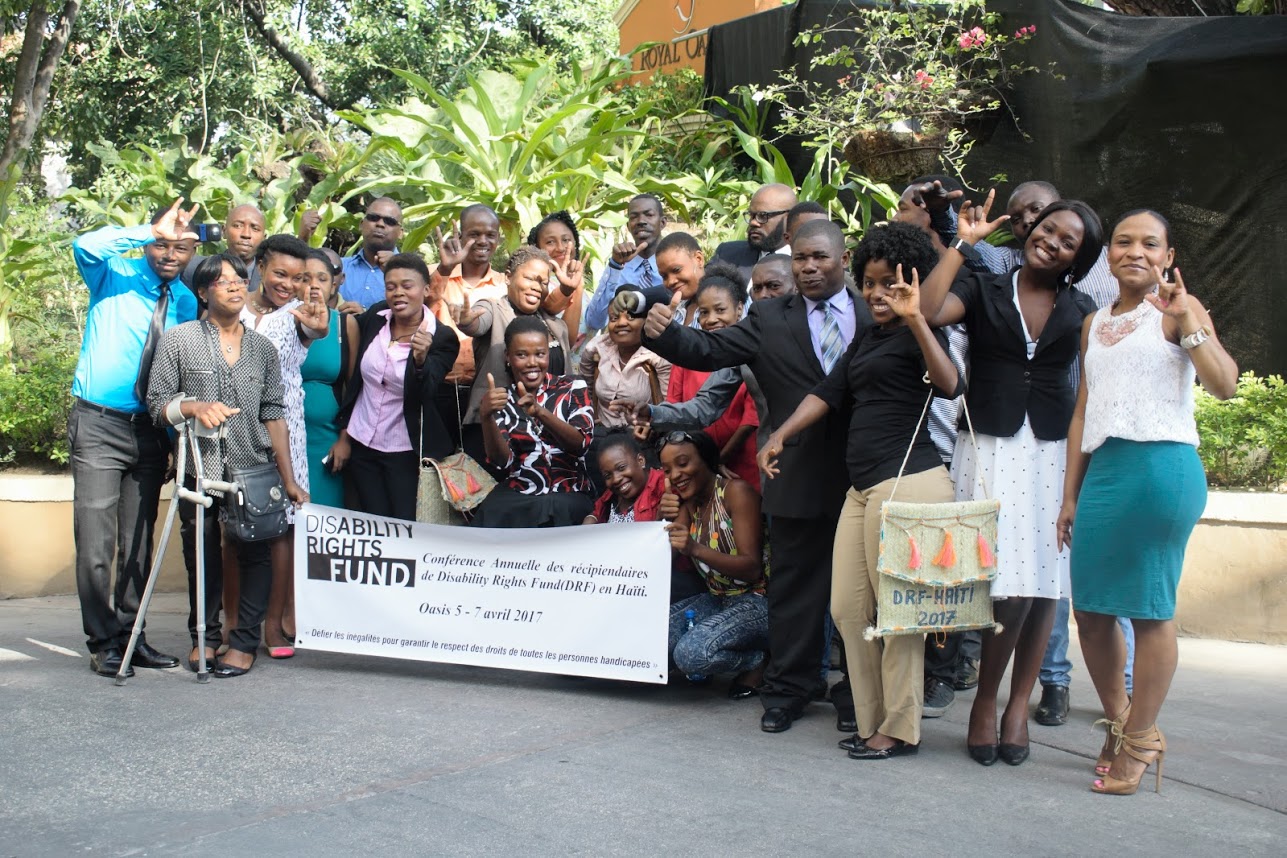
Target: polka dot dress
[(1027, 475), (279, 327)]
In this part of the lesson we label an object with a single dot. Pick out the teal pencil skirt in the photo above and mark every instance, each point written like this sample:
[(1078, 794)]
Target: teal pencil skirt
[(1137, 507)]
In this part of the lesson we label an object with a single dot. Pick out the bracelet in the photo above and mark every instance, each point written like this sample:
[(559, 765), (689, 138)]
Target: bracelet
[(615, 265), (1195, 339), (966, 249)]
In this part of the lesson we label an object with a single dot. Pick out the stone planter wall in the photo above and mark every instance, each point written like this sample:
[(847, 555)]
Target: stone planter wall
[(1234, 585)]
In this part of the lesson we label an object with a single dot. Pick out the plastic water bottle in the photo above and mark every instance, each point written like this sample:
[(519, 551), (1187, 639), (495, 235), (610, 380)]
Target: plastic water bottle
[(690, 621)]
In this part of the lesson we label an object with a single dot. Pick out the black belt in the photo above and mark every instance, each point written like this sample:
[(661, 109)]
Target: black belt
[(128, 417)]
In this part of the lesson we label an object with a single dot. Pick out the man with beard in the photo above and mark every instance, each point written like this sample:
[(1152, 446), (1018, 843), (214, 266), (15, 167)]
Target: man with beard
[(632, 261), (243, 230), (765, 229), (363, 274)]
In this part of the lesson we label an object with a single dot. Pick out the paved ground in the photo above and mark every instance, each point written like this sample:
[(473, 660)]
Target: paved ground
[(336, 755)]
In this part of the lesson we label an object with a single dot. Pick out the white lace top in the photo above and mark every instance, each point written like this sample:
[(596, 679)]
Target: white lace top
[(1139, 385)]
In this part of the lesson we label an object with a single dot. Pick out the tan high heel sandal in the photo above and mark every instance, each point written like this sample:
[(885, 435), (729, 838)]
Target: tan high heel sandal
[(1147, 746), (1111, 743)]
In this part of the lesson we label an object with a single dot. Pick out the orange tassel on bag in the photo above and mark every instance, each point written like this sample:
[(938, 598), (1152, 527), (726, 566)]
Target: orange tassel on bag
[(914, 561), (455, 493), (947, 554), (987, 559), (472, 484)]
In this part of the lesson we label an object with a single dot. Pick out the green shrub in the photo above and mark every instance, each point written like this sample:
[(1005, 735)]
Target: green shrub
[(1244, 439), (35, 399)]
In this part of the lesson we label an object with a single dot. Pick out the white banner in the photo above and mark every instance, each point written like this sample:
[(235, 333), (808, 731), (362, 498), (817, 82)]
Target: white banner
[(583, 601)]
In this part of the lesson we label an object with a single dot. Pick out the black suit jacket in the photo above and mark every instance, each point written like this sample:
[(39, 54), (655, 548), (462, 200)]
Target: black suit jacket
[(773, 340), (1004, 385), (741, 254), (421, 384)]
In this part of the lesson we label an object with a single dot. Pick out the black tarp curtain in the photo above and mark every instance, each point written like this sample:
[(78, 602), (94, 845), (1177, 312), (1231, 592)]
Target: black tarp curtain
[(1184, 115)]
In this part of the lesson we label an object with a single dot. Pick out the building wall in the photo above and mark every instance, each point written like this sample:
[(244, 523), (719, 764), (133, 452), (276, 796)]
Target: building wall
[(678, 25)]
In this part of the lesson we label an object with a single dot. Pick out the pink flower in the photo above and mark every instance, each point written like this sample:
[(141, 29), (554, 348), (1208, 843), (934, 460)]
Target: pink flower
[(924, 79), (975, 38)]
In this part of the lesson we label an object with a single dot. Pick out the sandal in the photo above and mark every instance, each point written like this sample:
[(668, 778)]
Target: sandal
[(1111, 745), (1147, 746)]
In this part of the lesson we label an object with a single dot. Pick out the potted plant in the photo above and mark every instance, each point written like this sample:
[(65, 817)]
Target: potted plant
[(902, 87)]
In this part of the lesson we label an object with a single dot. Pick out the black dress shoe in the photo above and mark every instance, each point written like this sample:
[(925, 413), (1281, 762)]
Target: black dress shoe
[(984, 755), (848, 744), (738, 691), (227, 671), (777, 720), (146, 656), (1012, 755), (1053, 708), (107, 662), (968, 676), (846, 722), (898, 749)]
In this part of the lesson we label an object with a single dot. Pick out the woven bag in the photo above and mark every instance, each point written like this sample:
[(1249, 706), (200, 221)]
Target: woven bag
[(451, 486), (937, 561)]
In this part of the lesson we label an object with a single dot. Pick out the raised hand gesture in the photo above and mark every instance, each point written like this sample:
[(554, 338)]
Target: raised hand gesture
[(973, 225), (313, 315), (905, 298), (308, 223), (680, 540), (173, 225), (661, 315), (420, 341), (1171, 298), (626, 250), (494, 399), (668, 507), (767, 458), (464, 313), (451, 251), (932, 196), (572, 276), (527, 401)]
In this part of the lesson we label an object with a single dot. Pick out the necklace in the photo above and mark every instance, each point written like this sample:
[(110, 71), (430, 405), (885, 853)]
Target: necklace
[(1111, 329)]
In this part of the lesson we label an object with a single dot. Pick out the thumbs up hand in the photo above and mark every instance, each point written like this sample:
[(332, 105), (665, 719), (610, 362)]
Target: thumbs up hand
[(661, 316), (494, 399)]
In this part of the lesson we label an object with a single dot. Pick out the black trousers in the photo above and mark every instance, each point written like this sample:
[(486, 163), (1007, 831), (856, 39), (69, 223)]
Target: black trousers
[(118, 465), (943, 656), (385, 483), (254, 563), (799, 596)]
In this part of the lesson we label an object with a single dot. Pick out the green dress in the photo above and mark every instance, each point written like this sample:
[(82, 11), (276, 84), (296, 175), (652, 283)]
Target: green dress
[(319, 371)]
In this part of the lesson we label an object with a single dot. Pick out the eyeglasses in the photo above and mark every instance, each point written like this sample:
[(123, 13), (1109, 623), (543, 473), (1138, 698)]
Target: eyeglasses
[(378, 218), (228, 284), (763, 217)]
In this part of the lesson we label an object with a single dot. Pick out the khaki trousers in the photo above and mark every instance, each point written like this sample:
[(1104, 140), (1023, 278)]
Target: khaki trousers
[(888, 674)]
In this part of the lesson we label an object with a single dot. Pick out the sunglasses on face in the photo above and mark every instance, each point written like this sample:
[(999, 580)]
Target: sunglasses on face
[(378, 218)]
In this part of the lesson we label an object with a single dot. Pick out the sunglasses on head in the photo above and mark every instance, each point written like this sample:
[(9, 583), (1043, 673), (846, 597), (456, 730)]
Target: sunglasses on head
[(678, 436), (377, 218)]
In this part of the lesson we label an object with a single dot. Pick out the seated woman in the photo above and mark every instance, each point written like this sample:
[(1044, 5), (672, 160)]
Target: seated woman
[(536, 432), (529, 272), (715, 522), (720, 299), (885, 380), (222, 373), (389, 418), (634, 493)]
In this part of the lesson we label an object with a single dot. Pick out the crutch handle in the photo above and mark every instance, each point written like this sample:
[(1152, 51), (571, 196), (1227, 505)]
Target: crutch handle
[(194, 497), (220, 486)]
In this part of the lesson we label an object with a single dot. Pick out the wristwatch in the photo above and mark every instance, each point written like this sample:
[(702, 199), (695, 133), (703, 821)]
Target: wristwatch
[(966, 249), (1197, 338)]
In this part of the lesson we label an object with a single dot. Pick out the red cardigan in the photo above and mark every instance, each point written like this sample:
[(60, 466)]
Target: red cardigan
[(645, 505)]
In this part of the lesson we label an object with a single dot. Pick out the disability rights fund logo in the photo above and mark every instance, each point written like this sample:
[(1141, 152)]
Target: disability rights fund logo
[(348, 550)]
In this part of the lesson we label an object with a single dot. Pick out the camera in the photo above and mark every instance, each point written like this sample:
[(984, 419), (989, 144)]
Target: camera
[(207, 232), (638, 300)]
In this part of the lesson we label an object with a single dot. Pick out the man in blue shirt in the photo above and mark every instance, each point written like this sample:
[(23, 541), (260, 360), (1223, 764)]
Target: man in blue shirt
[(632, 261), (363, 271), (118, 456)]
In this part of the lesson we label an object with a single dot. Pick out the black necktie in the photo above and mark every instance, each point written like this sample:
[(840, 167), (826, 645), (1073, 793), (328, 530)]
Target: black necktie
[(154, 330)]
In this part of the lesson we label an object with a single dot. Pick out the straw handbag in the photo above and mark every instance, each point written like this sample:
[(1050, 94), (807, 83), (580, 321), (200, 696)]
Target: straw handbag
[(451, 486), (937, 560)]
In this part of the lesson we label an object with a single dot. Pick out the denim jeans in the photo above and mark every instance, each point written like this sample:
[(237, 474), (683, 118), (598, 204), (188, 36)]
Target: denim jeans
[(1056, 669), (731, 633), (117, 470)]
